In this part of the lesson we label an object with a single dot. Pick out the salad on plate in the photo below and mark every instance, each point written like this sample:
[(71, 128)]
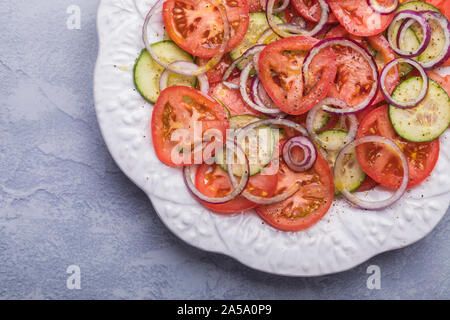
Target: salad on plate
[(282, 106)]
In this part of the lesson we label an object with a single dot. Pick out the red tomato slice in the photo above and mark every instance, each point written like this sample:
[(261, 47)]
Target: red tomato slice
[(290, 13), (308, 205), (362, 114), (197, 27), (179, 107), (310, 10), (280, 65), (337, 31), (367, 185), (232, 99), (444, 82), (382, 165), (212, 181), (358, 18), (216, 74), (384, 55), (256, 5), (353, 78)]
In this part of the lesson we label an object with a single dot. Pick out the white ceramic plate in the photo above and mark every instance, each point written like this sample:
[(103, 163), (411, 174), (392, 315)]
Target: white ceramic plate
[(344, 238)]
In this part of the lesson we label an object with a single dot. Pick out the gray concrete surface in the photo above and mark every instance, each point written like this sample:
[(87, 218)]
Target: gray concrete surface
[(64, 202)]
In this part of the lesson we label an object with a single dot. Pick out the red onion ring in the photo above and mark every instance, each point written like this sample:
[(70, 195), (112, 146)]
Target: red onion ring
[(445, 53), (245, 74), (272, 122), (372, 205), (261, 98), (409, 15), (383, 10), (290, 29), (402, 29), (388, 97), (340, 41), (202, 78), (200, 70), (252, 51), (238, 187), (309, 149), (351, 135), (265, 35)]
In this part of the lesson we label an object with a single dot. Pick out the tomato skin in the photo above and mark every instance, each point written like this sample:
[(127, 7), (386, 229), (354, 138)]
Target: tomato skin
[(254, 5), (358, 18), (382, 165), (275, 215), (362, 114), (209, 179), (368, 184), (444, 82), (171, 111), (216, 74), (311, 10), (287, 89), (337, 31), (198, 28), (232, 99)]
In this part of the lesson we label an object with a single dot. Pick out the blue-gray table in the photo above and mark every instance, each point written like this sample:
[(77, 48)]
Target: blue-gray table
[(64, 202)]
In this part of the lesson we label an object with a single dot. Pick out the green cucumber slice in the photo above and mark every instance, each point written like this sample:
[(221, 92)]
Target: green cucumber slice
[(417, 6), (257, 25), (410, 42), (147, 72), (259, 148), (429, 119), (321, 120), (437, 40), (351, 176)]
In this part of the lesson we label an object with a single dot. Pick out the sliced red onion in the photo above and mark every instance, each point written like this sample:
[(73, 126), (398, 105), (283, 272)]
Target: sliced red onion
[(351, 135), (382, 9), (202, 78), (387, 95), (290, 29), (238, 187), (272, 122), (401, 32), (445, 53), (255, 62), (247, 55), (409, 15), (199, 70), (265, 36), (340, 41), (372, 205), (259, 96), (309, 150), (245, 74), (299, 21)]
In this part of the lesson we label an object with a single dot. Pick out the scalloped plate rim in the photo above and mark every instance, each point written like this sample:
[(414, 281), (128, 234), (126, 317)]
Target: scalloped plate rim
[(356, 262)]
